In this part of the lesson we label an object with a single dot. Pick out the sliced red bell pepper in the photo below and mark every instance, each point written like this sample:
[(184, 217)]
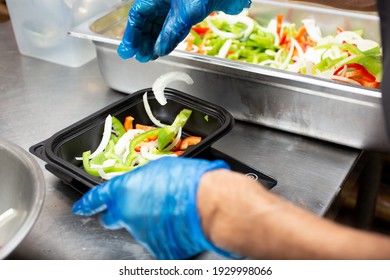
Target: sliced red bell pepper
[(356, 68), (279, 23), (358, 73), (200, 30), (365, 83)]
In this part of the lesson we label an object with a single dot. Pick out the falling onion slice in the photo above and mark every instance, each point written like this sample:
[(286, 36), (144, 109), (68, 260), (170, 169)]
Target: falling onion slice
[(155, 121), (161, 83)]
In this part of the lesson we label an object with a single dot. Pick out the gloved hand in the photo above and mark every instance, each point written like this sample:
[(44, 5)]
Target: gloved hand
[(156, 27), (157, 204)]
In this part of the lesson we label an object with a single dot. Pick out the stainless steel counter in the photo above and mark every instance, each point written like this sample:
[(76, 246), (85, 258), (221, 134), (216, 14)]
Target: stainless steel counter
[(39, 98)]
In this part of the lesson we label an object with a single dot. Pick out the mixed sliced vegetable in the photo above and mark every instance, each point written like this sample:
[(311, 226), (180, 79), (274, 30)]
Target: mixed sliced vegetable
[(345, 56), (137, 145), (128, 145)]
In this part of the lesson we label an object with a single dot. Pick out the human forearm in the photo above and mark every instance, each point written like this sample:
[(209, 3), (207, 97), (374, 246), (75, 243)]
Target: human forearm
[(243, 217), (359, 5)]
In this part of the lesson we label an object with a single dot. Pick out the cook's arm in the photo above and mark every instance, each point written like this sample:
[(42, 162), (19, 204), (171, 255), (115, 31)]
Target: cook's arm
[(179, 207), (237, 214), (359, 5)]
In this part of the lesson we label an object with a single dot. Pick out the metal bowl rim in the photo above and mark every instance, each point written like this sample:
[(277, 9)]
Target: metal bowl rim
[(39, 193)]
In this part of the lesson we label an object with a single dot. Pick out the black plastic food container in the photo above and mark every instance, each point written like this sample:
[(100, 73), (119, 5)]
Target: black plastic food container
[(207, 120)]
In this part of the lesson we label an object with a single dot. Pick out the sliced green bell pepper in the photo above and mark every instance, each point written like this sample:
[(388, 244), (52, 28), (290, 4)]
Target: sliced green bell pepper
[(168, 133)]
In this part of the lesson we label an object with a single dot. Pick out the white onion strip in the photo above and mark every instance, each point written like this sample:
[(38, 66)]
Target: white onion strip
[(271, 63), (312, 29), (161, 82), (108, 176), (309, 68), (120, 146), (105, 139), (107, 163), (223, 51), (220, 33), (146, 151), (149, 111), (288, 58), (347, 36), (298, 47), (345, 61), (346, 80), (242, 18)]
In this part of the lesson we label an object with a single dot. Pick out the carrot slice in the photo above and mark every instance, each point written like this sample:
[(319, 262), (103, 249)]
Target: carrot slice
[(128, 124), (189, 141)]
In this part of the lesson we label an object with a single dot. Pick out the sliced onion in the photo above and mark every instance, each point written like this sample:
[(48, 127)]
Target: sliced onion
[(295, 67), (123, 142), (313, 55), (108, 176), (146, 151), (344, 79), (232, 19), (288, 58), (223, 51), (345, 61), (279, 55), (309, 68), (182, 46), (312, 29), (272, 29), (270, 52), (105, 139), (336, 52), (298, 47), (194, 49), (270, 62), (161, 82), (107, 163), (343, 72), (249, 23), (324, 74), (347, 36), (364, 44), (220, 33), (149, 111)]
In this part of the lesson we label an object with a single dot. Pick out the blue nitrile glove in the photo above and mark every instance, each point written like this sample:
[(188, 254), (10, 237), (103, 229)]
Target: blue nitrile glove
[(156, 203), (156, 27)]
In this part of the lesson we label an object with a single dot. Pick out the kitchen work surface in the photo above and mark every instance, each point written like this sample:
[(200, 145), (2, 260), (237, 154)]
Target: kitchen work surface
[(39, 98)]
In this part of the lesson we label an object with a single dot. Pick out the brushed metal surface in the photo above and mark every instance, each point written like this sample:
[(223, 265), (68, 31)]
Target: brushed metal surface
[(39, 99), (310, 106)]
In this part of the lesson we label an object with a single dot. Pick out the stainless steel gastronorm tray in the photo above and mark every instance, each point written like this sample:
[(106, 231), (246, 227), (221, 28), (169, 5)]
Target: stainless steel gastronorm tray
[(310, 106)]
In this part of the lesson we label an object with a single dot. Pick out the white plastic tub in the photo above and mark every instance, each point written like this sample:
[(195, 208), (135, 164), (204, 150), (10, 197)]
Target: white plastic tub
[(41, 28)]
